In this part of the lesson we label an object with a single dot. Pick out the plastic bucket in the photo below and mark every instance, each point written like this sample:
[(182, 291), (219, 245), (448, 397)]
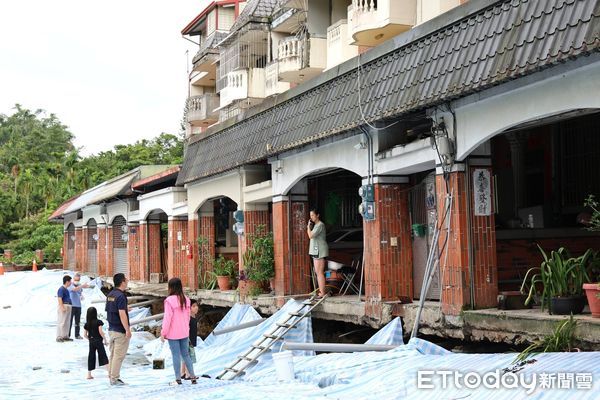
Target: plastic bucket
[(284, 365)]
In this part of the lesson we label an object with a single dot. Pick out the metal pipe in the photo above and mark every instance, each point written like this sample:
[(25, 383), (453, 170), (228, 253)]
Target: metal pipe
[(336, 347), (238, 327), (144, 303), (147, 319)]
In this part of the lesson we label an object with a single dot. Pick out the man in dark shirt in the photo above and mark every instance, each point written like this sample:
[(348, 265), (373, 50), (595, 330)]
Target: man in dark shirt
[(63, 311), (118, 327)]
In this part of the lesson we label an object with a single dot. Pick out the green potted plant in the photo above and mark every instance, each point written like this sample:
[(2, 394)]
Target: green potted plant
[(561, 278), (224, 269), (206, 277), (259, 259), (592, 288)]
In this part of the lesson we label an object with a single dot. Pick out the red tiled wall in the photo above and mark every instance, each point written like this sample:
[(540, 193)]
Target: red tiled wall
[(154, 248), (388, 269), (110, 264), (192, 264), (84, 249), (300, 275), (252, 219), (133, 252), (207, 229), (455, 274), (102, 270), (177, 255), (79, 249), (516, 256), (65, 252)]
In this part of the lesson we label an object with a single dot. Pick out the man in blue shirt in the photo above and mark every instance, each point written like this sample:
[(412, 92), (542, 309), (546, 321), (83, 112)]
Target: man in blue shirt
[(75, 291), (117, 315), (63, 311)]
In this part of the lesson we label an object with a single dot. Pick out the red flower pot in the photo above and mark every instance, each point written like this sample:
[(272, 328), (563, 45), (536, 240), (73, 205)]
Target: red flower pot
[(591, 291)]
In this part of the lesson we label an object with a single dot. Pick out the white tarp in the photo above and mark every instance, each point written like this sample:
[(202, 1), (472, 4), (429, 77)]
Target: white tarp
[(27, 340)]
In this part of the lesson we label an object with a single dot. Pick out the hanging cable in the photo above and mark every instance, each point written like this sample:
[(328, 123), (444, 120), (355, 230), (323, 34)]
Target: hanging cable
[(362, 114)]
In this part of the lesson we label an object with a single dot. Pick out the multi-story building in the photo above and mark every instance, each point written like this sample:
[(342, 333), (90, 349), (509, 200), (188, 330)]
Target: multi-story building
[(471, 128)]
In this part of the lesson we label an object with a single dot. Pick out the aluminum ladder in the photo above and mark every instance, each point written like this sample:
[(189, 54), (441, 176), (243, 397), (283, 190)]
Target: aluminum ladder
[(250, 357)]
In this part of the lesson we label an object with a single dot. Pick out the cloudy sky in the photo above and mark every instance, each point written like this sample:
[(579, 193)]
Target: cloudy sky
[(112, 71)]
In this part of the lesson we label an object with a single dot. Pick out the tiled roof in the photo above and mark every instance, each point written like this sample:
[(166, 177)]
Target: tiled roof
[(255, 11), (471, 48), (57, 215), (210, 45)]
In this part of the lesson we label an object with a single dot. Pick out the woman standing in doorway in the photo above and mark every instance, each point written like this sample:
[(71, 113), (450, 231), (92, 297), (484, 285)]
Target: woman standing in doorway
[(318, 248)]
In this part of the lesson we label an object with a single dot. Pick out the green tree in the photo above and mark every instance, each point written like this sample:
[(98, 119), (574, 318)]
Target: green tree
[(40, 168)]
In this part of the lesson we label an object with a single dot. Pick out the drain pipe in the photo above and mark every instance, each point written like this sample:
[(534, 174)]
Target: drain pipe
[(469, 234), (289, 240)]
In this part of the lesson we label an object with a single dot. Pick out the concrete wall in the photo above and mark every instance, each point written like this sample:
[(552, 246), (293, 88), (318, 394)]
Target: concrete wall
[(340, 154), (318, 17), (201, 191), (115, 209), (165, 199), (550, 92), (428, 9)]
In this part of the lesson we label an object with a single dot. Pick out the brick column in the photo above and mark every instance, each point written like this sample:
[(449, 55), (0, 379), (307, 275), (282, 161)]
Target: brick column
[(299, 276), (149, 249), (254, 215), (78, 248), (84, 249), (192, 264), (101, 250), (455, 272), (206, 229), (388, 255), (65, 257), (133, 251), (176, 252), (110, 255)]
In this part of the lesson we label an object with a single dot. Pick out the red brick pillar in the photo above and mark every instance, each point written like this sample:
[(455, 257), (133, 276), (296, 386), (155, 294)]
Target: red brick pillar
[(481, 259), (110, 255), (78, 248), (65, 257), (294, 278), (149, 249), (133, 251), (206, 230), (387, 245), (254, 216), (101, 249), (84, 249), (176, 252), (192, 263)]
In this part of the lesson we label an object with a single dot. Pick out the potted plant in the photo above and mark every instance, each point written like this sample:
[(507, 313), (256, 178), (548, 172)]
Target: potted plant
[(259, 260), (592, 288), (561, 278), (224, 269)]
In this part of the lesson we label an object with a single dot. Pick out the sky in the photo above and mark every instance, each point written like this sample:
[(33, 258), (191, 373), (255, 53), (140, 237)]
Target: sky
[(113, 71)]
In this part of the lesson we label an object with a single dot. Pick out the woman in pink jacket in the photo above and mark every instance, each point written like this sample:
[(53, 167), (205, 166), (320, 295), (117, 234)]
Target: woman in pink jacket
[(176, 328)]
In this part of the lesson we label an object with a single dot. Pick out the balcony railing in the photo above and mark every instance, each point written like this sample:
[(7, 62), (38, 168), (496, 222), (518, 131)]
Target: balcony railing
[(293, 54), (338, 48), (272, 83), (243, 84), (200, 109), (374, 21)]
